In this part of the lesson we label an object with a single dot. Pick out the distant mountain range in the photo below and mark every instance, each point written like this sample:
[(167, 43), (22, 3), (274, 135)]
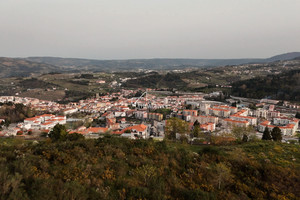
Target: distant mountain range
[(37, 65), (157, 62)]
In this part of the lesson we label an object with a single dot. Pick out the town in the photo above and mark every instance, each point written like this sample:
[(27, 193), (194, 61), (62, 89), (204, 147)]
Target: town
[(147, 113)]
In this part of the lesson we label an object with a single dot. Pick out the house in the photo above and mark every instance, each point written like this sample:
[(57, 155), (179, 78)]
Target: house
[(205, 119), (46, 121), (261, 113), (190, 112), (225, 107), (273, 114), (204, 107), (141, 114), (288, 126), (187, 114), (122, 120), (219, 112), (111, 124), (136, 131), (270, 101), (70, 111), (100, 81), (120, 113), (47, 125), (208, 126), (229, 123), (107, 115), (92, 130), (242, 116), (95, 130), (155, 116)]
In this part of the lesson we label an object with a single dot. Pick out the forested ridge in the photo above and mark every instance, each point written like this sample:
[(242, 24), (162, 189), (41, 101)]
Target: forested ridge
[(285, 86), (119, 168), (155, 80)]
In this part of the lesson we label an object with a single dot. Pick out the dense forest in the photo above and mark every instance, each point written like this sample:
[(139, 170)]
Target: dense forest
[(285, 86), (35, 83), (119, 168), (155, 80)]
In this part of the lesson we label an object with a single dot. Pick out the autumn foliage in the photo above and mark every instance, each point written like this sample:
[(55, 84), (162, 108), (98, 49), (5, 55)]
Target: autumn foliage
[(118, 168)]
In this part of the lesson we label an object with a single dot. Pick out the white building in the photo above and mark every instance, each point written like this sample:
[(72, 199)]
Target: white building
[(288, 126), (46, 121)]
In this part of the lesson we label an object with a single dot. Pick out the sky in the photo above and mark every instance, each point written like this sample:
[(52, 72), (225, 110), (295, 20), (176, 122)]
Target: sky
[(128, 29)]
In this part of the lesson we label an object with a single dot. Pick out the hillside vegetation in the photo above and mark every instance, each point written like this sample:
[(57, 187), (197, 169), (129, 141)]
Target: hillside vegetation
[(13, 113), (155, 80), (24, 67), (20, 67), (157, 63), (285, 86), (118, 168)]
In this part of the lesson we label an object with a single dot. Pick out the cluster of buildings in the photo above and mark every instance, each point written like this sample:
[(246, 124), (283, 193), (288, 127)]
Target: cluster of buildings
[(288, 126), (241, 119), (134, 117), (42, 122)]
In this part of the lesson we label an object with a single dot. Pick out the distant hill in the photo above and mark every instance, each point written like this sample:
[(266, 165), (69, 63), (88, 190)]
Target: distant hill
[(37, 65), (286, 56), (157, 63), (298, 58), (284, 86), (21, 67), (155, 80)]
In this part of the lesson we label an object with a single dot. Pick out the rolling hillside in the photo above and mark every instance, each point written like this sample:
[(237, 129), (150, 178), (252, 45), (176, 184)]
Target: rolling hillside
[(118, 168), (15, 67), (285, 86), (19, 67), (162, 63)]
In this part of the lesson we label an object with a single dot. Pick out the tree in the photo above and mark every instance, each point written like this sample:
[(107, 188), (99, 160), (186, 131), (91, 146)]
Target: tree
[(276, 134), (74, 137), (196, 129), (234, 104), (163, 111), (59, 133), (239, 132), (146, 173), (266, 134), (196, 123), (175, 125), (252, 106), (20, 133), (127, 131), (188, 106), (7, 123), (223, 174), (245, 138)]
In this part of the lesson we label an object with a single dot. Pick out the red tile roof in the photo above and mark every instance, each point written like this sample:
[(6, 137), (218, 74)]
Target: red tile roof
[(139, 128), (235, 121)]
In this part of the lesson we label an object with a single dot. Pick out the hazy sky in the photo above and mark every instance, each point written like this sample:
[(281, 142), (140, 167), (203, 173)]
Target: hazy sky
[(121, 29)]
